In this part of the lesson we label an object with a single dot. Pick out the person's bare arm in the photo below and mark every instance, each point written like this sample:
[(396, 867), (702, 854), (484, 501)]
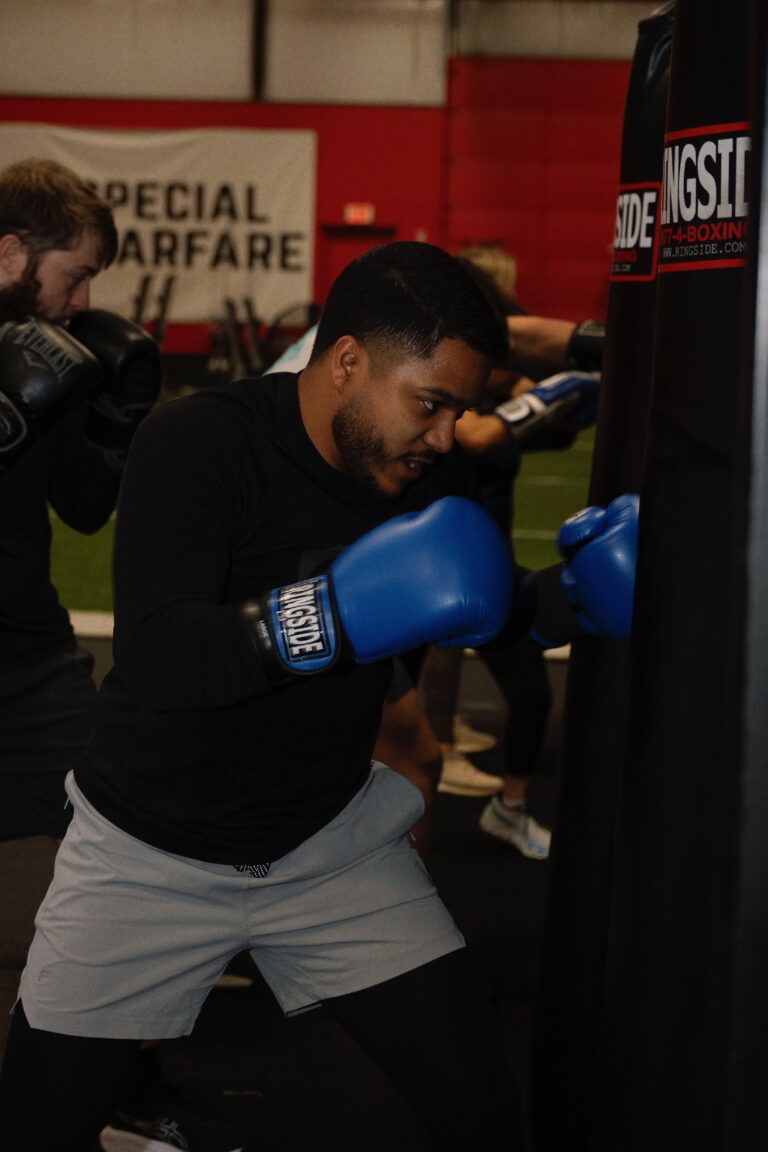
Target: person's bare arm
[(478, 433), (540, 338)]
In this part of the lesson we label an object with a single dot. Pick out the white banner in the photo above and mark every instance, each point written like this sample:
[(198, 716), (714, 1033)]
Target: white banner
[(205, 214)]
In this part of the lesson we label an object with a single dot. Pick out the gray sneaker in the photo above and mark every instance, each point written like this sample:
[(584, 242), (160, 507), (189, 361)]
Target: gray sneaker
[(517, 827)]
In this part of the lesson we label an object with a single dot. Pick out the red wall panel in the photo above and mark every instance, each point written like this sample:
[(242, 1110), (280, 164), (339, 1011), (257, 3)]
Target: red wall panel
[(525, 154), (532, 165)]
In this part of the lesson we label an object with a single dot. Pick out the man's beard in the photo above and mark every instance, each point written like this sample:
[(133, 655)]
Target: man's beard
[(19, 301), (360, 448)]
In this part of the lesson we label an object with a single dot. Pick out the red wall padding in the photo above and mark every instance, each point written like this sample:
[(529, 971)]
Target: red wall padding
[(532, 165)]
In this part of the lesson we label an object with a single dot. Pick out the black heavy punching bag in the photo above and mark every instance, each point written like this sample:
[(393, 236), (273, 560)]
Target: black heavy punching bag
[(679, 1012), (667, 1040), (566, 1030)]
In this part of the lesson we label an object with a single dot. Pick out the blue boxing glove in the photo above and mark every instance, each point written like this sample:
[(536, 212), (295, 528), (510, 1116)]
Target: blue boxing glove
[(569, 398), (599, 546), (443, 576)]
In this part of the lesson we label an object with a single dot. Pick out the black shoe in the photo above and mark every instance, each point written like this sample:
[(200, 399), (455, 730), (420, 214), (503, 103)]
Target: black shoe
[(174, 1129)]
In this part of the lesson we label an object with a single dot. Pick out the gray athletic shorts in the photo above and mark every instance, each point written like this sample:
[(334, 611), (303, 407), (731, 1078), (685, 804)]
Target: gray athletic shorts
[(130, 939)]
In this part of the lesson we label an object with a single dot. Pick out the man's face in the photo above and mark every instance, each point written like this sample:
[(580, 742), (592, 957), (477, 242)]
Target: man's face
[(398, 415), (61, 278)]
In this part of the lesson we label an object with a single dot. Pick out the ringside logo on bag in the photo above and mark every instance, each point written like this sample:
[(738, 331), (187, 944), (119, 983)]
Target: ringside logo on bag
[(704, 205), (636, 236)]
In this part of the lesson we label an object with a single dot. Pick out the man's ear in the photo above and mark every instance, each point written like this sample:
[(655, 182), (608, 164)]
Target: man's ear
[(13, 258), (346, 357)]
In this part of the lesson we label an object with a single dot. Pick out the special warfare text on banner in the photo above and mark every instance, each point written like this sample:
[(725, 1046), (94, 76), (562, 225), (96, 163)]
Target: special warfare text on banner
[(177, 225), (203, 215), (704, 206)]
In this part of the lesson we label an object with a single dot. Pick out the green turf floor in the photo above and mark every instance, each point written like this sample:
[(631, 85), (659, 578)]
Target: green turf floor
[(551, 486), (81, 567)]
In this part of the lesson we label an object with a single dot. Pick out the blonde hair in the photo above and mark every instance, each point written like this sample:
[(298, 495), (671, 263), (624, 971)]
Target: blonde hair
[(498, 267)]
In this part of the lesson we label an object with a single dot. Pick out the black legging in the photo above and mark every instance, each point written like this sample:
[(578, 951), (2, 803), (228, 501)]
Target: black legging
[(58, 1091), (520, 671), (46, 717), (431, 1031), (434, 1034)]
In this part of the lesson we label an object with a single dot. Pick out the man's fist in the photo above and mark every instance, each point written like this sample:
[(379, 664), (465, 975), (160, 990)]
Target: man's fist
[(586, 345), (599, 546), (443, 576), (43, 373), (132, 371), (568, 399)]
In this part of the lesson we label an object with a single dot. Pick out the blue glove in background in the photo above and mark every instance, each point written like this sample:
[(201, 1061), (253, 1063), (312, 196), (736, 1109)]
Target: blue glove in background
[(599, 546), (572, 396)]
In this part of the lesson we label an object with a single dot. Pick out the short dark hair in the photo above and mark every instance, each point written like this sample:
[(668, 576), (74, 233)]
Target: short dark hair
[(49, 206), (408, 297)]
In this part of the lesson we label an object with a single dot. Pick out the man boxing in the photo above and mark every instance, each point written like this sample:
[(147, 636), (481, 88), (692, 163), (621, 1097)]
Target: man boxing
[(69, 402), (74, 384), (494, 434), (275, 546)]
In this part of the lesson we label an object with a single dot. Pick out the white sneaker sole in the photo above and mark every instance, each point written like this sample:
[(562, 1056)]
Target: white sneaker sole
[(469, 790), (507, 835)]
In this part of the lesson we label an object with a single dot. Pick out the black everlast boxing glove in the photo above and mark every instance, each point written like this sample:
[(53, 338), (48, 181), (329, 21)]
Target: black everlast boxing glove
[(585, 347), (44, 372), (133, 371)]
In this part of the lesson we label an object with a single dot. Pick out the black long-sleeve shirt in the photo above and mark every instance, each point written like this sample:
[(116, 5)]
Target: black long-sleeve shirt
[(196, 752), (63, 469)]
